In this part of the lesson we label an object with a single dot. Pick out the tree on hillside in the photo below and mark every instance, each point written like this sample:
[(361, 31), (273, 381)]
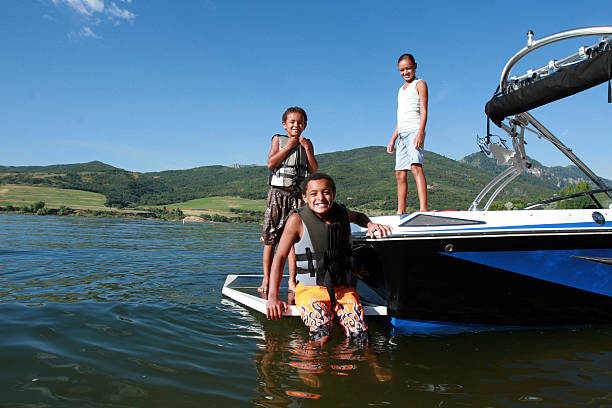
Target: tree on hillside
[(39, 205), (578, 202)]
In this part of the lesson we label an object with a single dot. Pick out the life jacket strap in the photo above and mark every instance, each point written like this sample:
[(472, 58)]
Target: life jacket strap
[(310, 256), (310, 264), (328, 282)]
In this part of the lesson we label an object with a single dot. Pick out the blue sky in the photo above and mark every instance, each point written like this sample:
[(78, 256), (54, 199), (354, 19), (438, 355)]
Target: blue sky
[(156, 85)]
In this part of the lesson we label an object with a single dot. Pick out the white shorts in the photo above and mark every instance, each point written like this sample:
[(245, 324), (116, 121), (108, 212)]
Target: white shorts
[(405, 153)]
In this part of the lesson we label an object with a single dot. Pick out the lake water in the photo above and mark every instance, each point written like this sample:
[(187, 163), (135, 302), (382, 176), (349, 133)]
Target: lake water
[(116, 313)]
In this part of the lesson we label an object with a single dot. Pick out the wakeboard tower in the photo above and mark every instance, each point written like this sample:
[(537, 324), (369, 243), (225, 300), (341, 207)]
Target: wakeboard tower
[(515, 96)]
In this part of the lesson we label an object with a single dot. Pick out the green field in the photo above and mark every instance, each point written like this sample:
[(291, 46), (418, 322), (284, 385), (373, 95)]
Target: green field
[(218, 205), (52, 197), (17, 196)]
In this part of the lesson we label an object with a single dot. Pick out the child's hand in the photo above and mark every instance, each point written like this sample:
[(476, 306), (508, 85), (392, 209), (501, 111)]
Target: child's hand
[(418, 141), (293, 141), (383, 230), (275, 309), (391, 147), (305, 143)]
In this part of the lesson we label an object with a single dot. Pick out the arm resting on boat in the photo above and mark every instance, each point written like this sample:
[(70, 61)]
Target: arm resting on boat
[(364, 221)]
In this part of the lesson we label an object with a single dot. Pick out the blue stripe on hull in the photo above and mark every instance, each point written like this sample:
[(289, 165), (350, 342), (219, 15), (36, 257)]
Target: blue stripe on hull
[(558, 266), (570, 226), (435, 328)]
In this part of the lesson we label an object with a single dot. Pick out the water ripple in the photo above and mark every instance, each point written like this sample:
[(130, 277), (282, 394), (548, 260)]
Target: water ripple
[(116, 313)]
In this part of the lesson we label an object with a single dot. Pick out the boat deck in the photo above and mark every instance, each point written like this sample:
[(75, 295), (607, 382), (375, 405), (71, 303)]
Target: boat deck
[(243, 290)]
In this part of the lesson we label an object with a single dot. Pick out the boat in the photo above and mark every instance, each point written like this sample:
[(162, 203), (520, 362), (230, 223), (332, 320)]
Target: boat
[(242, 289), (537, 266)]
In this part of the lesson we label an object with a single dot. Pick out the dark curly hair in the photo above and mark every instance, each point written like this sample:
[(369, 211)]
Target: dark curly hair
[(295, 109), (318, 176)]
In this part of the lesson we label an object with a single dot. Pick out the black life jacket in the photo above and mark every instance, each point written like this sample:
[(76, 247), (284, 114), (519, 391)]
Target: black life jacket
[(323, 254)]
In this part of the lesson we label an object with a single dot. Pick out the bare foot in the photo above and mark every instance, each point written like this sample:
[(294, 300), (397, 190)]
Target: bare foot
[(382, 374), (264, 286)]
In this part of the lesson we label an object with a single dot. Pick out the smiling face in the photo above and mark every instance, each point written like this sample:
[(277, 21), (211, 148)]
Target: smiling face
[(319, 196), (294, 124), (407, 69)]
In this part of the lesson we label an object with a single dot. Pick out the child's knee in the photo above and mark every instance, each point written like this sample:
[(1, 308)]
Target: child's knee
[(417, 170), (320, 332), (360, 336)]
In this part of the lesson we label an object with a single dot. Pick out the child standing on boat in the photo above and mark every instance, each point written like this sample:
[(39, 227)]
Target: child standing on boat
[(410, 133), (320, 235), (290, 160)]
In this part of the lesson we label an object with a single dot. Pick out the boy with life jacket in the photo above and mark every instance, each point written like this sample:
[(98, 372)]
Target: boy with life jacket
[(320, 234), (290, 160)]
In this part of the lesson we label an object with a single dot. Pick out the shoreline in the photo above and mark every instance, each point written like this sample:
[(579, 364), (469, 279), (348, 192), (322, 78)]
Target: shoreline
[(146, 214)]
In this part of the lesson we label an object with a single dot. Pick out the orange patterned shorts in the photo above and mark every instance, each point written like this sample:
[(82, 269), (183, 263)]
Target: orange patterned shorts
[(315, 309)]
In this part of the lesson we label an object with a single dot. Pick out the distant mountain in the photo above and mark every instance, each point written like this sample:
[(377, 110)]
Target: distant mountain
[(94, 166), (365, 180), (558, 176), (238, 165)]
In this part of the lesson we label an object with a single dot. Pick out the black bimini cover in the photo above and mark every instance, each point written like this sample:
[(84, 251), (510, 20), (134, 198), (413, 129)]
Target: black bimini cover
[(566, 82)]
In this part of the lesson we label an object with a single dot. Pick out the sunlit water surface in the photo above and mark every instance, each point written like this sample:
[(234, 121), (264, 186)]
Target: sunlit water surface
[(116, 313)]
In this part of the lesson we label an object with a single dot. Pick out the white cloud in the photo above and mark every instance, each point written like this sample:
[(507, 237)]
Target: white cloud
[(84, 7), (96, 12), (85, 32), (90, 7), (114, 11)]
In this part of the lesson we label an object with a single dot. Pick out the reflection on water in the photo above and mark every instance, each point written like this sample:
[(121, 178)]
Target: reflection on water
[(289, 365), (115, 313)]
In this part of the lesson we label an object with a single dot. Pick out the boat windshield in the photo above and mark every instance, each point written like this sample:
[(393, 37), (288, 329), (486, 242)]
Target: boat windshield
[(592, 199)]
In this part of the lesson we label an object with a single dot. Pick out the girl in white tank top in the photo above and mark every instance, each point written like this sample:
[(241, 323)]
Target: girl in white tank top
[(410, 133), (408, 109)]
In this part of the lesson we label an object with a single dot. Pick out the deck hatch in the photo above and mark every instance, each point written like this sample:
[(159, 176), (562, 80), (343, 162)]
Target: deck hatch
[(424, 220)]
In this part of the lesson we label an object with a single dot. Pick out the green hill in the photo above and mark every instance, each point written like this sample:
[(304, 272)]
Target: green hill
[(365, 179), (94, 166)]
